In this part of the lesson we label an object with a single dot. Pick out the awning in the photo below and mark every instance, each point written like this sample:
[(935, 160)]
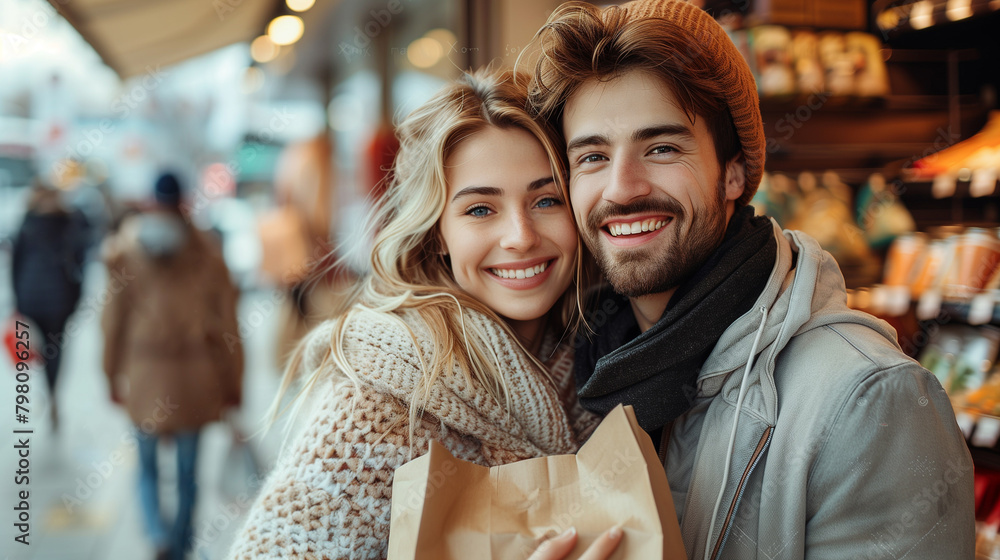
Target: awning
[(137, 36)]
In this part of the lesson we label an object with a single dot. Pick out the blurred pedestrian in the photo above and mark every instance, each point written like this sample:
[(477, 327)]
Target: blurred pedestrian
[(165, 328), (297, 241), (48, 258)]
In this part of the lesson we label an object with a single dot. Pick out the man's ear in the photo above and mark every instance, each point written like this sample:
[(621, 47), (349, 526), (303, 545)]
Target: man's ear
[(736, 177)]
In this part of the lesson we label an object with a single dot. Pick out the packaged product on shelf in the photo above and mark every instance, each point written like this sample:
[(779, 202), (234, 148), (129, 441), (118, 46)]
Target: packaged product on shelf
[(933, 266), (772, 52), (960, 356), (985, 165), (777, 197), (978, 255), (837, 64), (831, 182), (986, 398), (830, 221), (880, 213), (941, 353), (803, 61), (901, 262), (978, 354), (809, 75), (865, 53)]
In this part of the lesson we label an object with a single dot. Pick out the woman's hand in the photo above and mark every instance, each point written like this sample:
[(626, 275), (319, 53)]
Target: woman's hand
[(559, 547)]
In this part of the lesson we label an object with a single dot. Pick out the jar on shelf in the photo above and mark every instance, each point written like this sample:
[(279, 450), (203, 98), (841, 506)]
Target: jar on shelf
[(977, 259), (900, 263), (933, 266)]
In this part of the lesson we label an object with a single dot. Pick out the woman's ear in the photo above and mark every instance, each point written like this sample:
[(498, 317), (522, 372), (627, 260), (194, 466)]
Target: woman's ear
[(736, 177)]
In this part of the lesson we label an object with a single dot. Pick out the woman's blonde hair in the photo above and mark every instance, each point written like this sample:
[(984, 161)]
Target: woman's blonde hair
[(409, 270)]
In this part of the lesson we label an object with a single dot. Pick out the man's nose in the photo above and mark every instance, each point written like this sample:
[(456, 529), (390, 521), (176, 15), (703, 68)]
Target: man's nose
[(627, 182), (519, 233)]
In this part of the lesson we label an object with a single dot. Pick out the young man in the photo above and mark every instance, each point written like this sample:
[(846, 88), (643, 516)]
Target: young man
[(791, 426)]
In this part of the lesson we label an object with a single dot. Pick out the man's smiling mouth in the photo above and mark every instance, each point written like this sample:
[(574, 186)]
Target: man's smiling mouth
[(633, 228)]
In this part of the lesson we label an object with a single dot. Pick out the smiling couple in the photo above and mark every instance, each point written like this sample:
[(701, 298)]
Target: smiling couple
[(790, 426)]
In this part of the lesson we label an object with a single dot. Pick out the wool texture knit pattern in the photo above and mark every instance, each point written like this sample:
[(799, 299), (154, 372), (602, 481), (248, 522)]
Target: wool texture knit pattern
[(732, 73), (330, 493)]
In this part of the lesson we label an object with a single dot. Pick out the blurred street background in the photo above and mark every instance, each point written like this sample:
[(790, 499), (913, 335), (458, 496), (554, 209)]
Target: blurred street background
[(83, 498), (276, 118), (257, 120)]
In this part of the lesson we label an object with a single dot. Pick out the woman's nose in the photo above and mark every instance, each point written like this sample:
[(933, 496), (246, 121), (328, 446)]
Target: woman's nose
[(519, 233)]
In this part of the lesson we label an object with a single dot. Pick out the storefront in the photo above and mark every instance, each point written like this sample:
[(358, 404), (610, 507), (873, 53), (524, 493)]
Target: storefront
[(884, 144)]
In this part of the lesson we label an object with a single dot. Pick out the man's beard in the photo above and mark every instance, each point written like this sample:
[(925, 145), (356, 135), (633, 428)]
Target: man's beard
[(660, 266)]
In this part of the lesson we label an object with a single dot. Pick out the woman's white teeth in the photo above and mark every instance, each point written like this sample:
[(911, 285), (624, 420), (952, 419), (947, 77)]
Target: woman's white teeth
[(520, 273), (636, 227)]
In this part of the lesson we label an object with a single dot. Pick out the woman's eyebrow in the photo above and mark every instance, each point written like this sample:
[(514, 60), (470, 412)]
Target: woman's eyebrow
[(479, 190), (496, 191), (539, 183)]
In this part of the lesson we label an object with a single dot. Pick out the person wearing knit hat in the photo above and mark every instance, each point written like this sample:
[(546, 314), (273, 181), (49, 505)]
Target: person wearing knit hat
[(780, 412)]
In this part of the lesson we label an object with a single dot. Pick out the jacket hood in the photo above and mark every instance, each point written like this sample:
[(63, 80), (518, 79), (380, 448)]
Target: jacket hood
[(805, 291)]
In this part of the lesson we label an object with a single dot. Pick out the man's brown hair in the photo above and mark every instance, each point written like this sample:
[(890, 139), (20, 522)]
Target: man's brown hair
[(675, 41)]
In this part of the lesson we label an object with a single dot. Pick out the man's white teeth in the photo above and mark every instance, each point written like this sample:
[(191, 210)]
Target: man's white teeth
[(520, 273), (636, 227)]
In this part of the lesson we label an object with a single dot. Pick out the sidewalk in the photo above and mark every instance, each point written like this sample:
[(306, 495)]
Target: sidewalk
[(82, 481)]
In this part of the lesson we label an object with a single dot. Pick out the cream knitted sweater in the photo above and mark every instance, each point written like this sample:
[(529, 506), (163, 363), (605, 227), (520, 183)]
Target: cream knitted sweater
[(330, 492)]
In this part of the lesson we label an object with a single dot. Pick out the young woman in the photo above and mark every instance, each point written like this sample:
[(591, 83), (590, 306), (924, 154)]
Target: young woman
[(457, 334)]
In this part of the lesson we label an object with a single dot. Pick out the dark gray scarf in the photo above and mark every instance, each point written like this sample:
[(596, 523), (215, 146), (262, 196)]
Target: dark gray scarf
[(655, 371)]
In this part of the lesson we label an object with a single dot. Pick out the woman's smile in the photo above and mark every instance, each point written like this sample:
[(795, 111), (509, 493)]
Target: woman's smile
[(507, 230)]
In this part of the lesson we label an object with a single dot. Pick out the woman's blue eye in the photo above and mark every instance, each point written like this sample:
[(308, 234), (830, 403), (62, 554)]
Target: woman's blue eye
[(548, 202), (479, 212)]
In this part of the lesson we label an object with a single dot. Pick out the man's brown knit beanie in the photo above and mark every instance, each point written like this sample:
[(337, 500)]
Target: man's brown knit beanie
[(732, 72)]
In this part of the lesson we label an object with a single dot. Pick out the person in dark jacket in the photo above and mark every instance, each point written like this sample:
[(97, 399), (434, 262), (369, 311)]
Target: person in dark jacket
[(48, 258)]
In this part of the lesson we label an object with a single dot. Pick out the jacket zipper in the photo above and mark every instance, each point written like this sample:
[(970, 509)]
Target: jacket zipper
[(765, 439)]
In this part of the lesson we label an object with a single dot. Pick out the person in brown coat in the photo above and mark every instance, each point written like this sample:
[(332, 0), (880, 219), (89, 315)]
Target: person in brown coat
[(170, 303)]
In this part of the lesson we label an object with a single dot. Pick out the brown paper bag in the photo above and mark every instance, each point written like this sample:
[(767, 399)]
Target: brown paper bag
[(445, 508)]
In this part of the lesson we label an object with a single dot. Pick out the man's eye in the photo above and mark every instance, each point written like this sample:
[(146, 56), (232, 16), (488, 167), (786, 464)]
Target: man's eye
[(592, 158), (663, 150), (478, 212)]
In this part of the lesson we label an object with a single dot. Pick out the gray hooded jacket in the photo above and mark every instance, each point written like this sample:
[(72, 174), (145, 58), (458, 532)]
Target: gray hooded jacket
[(844, 447)]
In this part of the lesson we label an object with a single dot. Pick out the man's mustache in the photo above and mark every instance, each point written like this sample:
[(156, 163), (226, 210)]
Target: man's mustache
[(608, 210)]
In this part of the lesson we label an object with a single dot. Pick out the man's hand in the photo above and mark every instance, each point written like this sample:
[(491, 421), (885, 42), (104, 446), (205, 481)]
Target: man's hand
[(559, 547)]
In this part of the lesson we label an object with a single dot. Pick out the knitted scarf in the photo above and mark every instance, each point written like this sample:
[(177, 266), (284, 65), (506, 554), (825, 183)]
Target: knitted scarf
[(656, 371)]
